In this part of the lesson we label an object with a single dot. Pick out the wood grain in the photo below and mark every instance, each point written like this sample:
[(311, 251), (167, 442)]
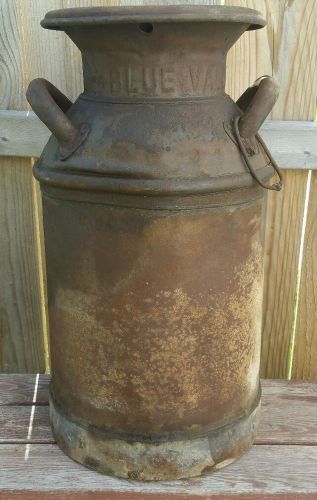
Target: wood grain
[(118, 495), (252, 54), (293, 144), (21, 340), (294, 66), (18, 389), (22, 134), (15, 425), (289, 22), (264, 470), (283, 232), (305, 351), (11, 96), (288, 413), (300, 103), (21, 344), (295, 58), (286, 49)]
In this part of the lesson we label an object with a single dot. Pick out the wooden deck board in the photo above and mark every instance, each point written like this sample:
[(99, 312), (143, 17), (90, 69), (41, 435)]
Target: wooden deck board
[(281, 465), (18, 389), (15, 425), (263, 470)]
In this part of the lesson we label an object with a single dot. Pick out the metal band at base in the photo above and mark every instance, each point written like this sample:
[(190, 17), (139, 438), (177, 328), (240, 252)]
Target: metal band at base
[(148, 461)]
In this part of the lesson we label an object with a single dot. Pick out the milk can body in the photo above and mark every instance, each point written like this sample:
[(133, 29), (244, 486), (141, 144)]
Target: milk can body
[(153, 228)]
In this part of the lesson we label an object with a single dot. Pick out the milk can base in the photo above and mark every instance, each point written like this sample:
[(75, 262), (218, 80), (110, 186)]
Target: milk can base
[(148, 461)]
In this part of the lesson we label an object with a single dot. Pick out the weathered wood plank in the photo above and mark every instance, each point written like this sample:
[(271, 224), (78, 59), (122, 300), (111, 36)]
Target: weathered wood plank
[(11, 72), (293, 144), (263, 472), (252, 54), (305, 350), (286, 49), (22, 424), (18, 389), (295, 58), (283, 232), (21, 345), (22, 134), (21, 340), (293, 45), (288, 413), (99, 495)]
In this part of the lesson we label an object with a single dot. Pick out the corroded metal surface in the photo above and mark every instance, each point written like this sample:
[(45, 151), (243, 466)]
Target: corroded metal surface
[(186, 457), (153, 235)]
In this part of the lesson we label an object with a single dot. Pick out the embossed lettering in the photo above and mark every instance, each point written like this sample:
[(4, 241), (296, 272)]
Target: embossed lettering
[(115, 81), (198, 78), (169, 80), (134, 80), (149, 79), (211, 80)]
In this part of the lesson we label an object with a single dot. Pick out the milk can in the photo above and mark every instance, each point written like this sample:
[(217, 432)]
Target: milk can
[(153, 185)]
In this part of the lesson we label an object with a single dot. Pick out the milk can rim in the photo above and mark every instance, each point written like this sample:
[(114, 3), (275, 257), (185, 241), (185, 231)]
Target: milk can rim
[(93, 16)]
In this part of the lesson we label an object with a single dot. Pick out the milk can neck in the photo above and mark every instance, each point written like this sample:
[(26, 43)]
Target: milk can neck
[(173, 61), (153, 76)]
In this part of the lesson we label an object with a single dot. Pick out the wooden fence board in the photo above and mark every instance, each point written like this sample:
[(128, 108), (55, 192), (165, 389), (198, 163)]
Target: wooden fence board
[(21, 343), (294, 66), (11, 96), (294, 61), (293, 143), (290, 46), (21, 340), (283, 232), (22, 134), (305, 351), (252, 54), (305, 347), (286, 48)]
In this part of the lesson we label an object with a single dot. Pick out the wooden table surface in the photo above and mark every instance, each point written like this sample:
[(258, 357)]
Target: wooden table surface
[(282, 463)]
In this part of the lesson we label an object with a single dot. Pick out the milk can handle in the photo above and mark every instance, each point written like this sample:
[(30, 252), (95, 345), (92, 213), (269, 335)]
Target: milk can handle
[(256, 103), (50, 105)]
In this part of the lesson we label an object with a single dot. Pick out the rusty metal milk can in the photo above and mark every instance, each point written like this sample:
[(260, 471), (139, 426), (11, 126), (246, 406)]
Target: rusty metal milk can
[(153, 184)]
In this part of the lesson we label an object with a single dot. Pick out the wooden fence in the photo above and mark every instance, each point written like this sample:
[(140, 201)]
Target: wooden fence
[(287, 49)]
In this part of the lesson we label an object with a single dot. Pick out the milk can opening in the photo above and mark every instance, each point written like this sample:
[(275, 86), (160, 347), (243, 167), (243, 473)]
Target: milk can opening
[(146, 27)]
